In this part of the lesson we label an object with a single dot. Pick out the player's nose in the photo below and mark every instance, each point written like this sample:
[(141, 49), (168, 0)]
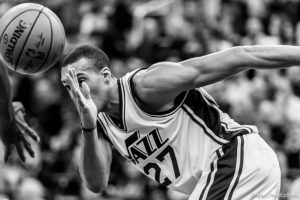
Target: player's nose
[(64, 81)]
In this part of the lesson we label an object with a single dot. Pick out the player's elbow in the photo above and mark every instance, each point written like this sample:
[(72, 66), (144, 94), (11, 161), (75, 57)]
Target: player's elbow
[(96, 187), (96, 184)]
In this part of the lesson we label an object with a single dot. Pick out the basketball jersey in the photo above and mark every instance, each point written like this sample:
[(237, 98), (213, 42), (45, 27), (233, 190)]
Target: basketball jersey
[(171, 147)]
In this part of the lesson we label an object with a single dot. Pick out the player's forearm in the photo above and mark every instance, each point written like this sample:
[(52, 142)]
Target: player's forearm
[(245, 57), (269, 57), (221, 65), (6, 109), (93, 167)]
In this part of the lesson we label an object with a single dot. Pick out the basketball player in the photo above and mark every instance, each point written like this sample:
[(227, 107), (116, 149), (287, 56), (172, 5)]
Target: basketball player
[(13, 128), (163, 121)]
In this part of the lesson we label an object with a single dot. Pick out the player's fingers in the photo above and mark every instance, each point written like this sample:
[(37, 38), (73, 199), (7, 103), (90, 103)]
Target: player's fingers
[(85, 90), (19, 147), (29, 131), (70, 71), (77, 95), (33, 134), (70, 81), (7, 153), (80, 98), (28, 147), (66, 84), (75, 78), (71, 85), (71, 91)]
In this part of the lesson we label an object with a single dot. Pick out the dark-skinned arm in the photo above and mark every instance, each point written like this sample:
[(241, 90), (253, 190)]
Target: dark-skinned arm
[(13, 128)]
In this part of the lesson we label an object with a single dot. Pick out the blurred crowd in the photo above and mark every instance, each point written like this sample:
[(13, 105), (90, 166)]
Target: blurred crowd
[(137, 33)]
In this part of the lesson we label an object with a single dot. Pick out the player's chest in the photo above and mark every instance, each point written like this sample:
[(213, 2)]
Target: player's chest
[(141, 146)]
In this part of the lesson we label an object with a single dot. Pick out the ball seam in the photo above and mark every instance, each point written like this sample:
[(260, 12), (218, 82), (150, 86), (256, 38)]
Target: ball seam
[(21, 52), (13, 20), (51, 44)]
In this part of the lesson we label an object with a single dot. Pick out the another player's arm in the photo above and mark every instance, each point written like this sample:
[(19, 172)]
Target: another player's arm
[(96, 153), (6, 109), (13, 127), (95, 161), (162, 82)]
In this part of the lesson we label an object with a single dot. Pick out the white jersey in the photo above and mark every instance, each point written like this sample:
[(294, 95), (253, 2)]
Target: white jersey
[(171, 147)]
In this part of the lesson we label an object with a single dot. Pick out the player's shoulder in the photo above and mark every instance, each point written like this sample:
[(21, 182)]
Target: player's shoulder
[(140, 76), (141, 87), (137, 76)]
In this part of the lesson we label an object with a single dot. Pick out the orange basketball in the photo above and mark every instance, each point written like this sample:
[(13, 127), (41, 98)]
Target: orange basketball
[(32, 38)]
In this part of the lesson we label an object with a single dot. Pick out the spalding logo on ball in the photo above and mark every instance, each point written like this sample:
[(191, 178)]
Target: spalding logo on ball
[(32, 38)]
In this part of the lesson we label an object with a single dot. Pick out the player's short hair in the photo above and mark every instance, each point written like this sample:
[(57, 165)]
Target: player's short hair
[(92, 53)]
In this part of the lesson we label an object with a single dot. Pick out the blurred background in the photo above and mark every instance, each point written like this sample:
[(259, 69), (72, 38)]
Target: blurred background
[(137, 33)]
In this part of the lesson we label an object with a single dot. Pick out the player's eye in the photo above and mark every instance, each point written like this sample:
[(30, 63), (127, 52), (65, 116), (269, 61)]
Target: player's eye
[(80, 80)]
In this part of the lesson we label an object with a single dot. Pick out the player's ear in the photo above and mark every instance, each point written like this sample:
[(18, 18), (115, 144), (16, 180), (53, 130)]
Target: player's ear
[(106, 72)]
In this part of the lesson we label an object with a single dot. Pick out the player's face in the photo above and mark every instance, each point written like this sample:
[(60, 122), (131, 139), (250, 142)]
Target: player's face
[(96, 80)]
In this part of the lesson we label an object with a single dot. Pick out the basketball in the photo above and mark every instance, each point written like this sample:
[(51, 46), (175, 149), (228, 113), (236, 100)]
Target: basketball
[(32, 38)]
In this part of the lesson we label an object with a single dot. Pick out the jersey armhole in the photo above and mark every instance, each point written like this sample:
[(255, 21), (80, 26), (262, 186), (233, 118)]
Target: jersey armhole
[(101, 132)]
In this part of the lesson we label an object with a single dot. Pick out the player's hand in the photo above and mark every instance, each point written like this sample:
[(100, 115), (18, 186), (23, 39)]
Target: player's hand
[(80, 94), (17, 135)]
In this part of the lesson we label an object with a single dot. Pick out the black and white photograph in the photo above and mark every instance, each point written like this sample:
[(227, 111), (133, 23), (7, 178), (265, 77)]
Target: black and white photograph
[(149, 99)]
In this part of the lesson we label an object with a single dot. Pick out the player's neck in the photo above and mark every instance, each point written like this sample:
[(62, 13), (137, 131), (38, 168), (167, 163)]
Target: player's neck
[(112, 107)]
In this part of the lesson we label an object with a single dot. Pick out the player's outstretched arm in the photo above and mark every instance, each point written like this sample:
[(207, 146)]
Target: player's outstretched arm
[(162, 82), (13, 128), (96, 153)]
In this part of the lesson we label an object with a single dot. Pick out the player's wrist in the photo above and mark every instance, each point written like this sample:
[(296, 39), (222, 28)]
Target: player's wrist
[(7, 112), (88, 122), (88, 129)]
